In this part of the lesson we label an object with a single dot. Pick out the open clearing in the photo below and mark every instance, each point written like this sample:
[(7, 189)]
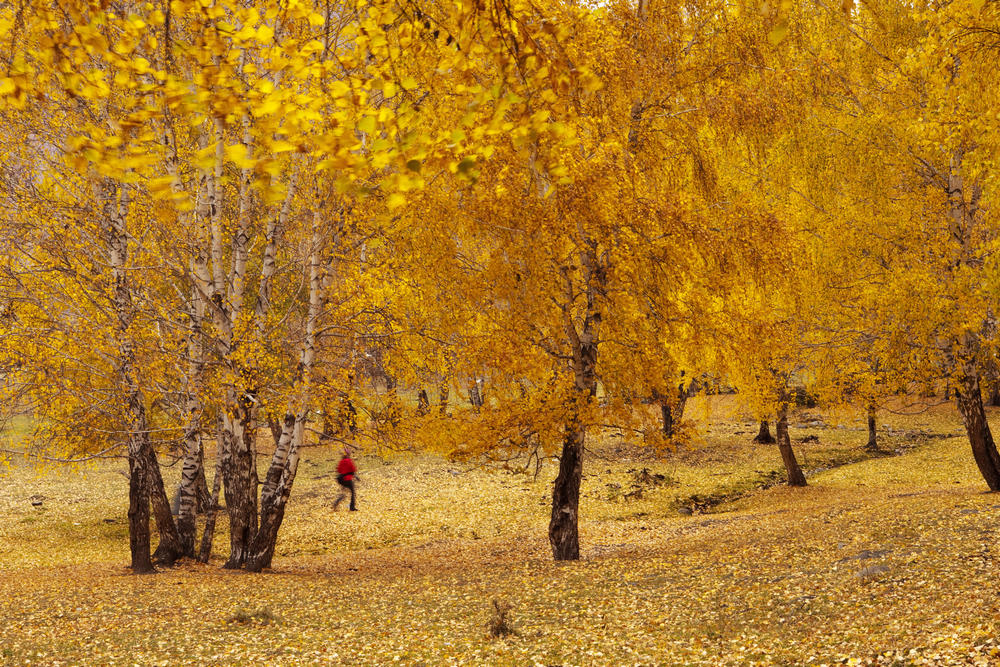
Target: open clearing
[(887, 561)]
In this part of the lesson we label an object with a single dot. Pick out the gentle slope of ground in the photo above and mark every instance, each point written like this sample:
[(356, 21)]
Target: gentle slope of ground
[(892, 556)]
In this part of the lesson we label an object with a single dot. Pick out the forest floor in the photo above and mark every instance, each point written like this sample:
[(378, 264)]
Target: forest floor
[(889, 561)]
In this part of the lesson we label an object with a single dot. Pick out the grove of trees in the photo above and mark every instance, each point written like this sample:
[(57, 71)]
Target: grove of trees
[(484, 229)]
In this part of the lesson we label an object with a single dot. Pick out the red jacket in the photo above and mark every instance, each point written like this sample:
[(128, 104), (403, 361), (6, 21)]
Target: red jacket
[(346, 469)]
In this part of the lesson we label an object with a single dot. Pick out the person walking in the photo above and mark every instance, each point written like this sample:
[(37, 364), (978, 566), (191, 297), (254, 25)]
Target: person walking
[(347, 472)]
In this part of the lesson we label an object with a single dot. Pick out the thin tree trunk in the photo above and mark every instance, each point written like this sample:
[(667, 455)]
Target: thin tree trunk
[(208, 536), (872, 445), (764, 436), (794, 472), (443, 391)]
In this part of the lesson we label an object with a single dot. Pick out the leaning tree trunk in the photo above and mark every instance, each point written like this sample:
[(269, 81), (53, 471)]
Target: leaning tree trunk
[(964, 216), (970, 405), (208, 536), (275, 493), (872, 445), (285, 461), (764, 436), (794, 472)]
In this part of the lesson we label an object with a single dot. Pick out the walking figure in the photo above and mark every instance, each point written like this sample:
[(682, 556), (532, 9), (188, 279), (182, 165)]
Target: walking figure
[(346, 474)]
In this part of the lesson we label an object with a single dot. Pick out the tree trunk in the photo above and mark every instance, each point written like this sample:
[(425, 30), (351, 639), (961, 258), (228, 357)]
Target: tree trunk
[(563, 527), (208, 536), (285, 461), (764, 436), (443, 391), (970, 405), (143, 470), (564, 524), (795, 476), (872, 445), (423, 403), (169, 549), (274, 497), (475, 395), (668, 418), (138, 516), (240, 478), (203, 495), (187, 508)]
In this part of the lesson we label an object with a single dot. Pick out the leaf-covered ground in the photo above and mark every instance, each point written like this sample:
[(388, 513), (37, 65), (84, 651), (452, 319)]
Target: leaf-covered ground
[(887, 561)]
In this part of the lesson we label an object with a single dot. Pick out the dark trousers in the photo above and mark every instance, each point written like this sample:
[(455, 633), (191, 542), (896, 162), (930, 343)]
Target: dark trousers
[(347, 485)]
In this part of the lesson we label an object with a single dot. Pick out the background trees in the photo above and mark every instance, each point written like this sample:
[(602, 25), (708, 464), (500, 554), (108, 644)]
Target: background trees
[(225, 215)]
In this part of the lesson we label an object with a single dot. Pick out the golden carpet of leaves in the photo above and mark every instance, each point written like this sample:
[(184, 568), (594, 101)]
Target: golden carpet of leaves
[(890, 561)]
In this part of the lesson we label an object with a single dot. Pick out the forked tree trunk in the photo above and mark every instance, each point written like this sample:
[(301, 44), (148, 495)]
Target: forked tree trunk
[(792, 469), (144, 473), (764, 436), (285, 461), (872, 445), (970, 405)]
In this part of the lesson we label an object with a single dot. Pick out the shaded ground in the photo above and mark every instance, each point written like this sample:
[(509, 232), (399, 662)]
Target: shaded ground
[(893, 557)]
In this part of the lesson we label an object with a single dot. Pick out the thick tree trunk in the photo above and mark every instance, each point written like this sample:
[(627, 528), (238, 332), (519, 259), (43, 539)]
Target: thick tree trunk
[(794, 472), (169, 549), (563, 527), (138, 517), (240, 478), (970, 405), (872, 445), (668, 418), (764, 436), (423, 403)]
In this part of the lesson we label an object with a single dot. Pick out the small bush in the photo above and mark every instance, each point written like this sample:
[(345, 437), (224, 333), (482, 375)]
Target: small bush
[(500, 624)]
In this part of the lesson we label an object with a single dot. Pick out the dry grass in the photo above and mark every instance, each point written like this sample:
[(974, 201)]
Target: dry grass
[(891, 556)]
